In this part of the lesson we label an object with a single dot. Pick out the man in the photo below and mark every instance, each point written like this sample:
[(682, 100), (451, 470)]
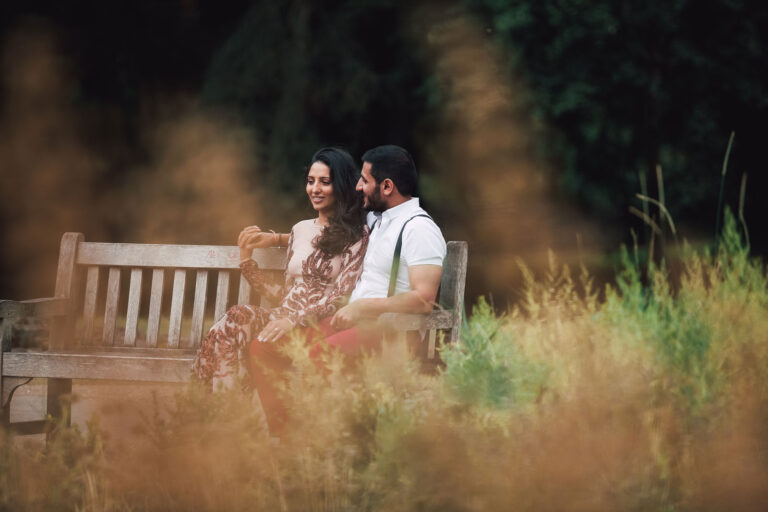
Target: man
[(388, 183)]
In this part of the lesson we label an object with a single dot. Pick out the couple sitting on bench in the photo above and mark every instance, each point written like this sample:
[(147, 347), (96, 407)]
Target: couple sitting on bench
[(342, 269)]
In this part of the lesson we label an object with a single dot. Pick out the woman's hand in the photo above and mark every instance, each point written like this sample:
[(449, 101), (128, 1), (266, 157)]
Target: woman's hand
[(274, 330), (252, 237)]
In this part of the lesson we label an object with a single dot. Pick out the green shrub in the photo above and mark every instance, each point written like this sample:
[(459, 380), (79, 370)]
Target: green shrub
[(486, 367)]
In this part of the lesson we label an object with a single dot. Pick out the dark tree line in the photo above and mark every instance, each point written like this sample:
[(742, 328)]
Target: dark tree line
[(624, 86), (619, 86)]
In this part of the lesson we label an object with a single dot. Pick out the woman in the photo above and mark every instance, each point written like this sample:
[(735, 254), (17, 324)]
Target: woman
[(324, 260)]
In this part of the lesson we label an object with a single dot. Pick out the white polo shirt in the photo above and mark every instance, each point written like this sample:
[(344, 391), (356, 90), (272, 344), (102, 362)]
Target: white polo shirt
[(423, 244)]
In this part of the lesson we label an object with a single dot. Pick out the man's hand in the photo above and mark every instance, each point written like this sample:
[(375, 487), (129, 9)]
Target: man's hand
[(348, 316), (274, 330)]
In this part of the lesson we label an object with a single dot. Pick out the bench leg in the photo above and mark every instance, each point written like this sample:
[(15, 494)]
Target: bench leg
[(9, 385), (58, 405), (431, 342)]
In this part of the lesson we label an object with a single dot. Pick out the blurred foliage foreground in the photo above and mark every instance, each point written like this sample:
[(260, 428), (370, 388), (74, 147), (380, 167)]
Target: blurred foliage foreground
[(652, 397)]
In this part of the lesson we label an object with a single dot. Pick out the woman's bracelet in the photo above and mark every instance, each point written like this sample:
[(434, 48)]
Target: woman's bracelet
[(277, 242)]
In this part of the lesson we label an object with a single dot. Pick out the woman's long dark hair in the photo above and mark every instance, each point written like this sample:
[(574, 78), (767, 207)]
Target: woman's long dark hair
[(346, 224)]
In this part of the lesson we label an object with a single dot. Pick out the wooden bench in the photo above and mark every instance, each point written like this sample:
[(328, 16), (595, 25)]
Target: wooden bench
[(83, 343)]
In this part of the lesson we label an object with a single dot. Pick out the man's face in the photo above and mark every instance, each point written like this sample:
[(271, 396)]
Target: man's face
[(372, 200)]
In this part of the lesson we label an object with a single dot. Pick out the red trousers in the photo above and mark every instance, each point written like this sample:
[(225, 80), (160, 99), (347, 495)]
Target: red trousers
[(267, 364)]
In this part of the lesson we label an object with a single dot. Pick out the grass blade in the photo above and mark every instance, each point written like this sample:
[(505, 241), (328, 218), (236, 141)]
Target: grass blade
[(635, 248), (662, 208), (742, 195), (655, 227), (728, 153), (644, 191), (722, 188), (660, 184)]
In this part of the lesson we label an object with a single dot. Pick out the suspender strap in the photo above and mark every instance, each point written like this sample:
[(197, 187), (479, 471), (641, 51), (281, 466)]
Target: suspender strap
[(396, 259)]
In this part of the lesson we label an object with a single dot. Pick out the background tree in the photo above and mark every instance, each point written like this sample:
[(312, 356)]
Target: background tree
[(307, 74), (624, 86)]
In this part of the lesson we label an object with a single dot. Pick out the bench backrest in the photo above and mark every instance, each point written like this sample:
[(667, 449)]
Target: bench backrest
[(79, 273)]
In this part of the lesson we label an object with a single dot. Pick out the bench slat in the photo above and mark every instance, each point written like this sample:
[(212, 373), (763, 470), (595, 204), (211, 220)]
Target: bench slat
[(198, 309), (132, 315), (89, 304), (454, 275), (155, 301), (110, 313), (177, 307), (174, 256), (244, 295), (452, 285), (112, 366), (222, 292), (67, 279)]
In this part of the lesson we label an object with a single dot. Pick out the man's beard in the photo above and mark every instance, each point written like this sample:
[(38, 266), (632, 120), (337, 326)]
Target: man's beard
[(375, 204)]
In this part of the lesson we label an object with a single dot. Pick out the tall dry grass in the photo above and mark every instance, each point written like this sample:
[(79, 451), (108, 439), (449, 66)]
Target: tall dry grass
[(648, 398), (191, 176)]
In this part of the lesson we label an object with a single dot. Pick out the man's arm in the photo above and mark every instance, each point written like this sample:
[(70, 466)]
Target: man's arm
[(424, 280)]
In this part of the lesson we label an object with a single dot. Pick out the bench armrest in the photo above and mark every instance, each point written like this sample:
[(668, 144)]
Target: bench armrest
[(45, 307), (442, 319)]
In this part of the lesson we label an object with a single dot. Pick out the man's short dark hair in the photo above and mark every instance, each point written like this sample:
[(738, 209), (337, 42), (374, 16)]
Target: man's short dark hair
[(395, 163)]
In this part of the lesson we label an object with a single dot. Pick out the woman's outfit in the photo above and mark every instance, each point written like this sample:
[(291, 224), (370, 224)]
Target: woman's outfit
[(315, 286)]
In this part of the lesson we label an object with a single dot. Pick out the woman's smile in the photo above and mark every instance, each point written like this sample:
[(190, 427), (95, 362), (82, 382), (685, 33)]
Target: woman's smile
[(320, 187)]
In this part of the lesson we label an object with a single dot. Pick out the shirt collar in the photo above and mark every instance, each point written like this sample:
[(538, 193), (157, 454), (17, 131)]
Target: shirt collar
[(372, 218), (400, 210)]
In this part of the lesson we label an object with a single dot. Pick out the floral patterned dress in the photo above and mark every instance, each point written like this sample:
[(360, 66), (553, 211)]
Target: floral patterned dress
[(315, 286)]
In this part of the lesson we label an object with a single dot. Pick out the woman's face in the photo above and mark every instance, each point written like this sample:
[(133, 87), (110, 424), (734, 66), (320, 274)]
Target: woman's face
[(320, 188)]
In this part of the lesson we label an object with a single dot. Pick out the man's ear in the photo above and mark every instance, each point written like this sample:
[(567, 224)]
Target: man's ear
[(387, 187)]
